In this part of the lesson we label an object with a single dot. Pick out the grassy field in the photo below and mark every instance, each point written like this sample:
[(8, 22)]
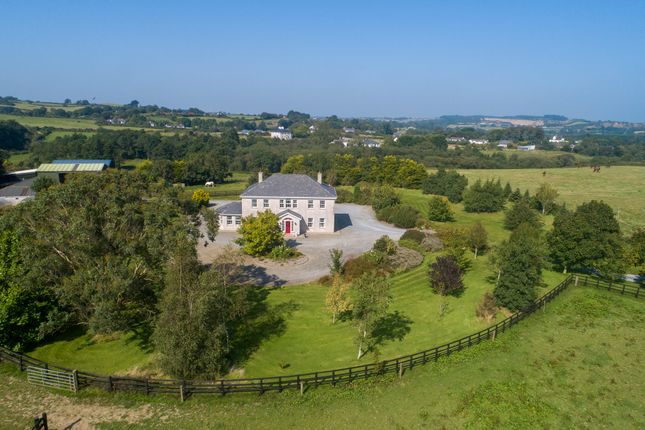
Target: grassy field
[(620, 186), (537, 154), (578, 364)]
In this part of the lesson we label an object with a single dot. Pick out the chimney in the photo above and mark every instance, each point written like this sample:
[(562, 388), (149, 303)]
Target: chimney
[(260, 177), (319, 177)]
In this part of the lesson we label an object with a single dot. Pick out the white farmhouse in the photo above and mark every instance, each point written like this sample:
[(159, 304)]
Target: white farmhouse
[(302, 204), (281, 134), (526, 147)]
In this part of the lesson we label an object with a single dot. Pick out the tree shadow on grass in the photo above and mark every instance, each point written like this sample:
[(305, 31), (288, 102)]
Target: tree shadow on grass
[(393, 326), (262, 322)]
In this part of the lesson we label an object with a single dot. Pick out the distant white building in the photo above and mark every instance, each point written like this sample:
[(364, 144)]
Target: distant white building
[(456, 139), (526, 147), (503, 144), (557, 139), (312, 128), (478, 141), (281, 134), (348, 130), (345, 141), (371, 143)]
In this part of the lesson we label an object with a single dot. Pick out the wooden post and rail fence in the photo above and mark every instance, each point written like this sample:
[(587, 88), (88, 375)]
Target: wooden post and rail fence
[(60, 377)]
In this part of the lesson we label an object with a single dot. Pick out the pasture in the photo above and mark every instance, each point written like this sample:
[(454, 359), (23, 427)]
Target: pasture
[(575, 365), (622, 187)]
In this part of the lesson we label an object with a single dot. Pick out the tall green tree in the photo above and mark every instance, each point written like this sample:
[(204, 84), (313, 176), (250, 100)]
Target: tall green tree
[(546, 195), (477, 238), (371, 301), (439, 210), (588, 238), (199, 314), (484, 197), (521, 213), (520, 261)]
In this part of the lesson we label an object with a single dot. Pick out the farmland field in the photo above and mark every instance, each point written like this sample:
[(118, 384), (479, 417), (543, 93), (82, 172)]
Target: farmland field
[(575, 365), (622, 187)]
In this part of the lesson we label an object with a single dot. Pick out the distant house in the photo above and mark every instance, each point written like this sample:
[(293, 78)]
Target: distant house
[(503, 144), (302, 204), (345, 141), (478, 141), (312, 128), (526, 147), (349, 130), (281, 134), (456, 139), (371, 143), (557, 139)]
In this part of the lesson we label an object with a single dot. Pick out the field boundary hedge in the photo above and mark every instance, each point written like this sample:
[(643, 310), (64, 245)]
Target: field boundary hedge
[(302, 381)]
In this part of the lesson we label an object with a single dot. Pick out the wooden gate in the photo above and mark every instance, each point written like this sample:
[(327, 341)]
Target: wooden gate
[(52, 378)]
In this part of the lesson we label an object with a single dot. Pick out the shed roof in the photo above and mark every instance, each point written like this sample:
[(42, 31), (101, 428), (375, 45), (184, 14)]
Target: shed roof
[(108, 163), (70, 167), (290, 185)]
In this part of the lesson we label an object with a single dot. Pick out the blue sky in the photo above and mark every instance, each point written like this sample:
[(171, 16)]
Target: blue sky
[(405, 58)]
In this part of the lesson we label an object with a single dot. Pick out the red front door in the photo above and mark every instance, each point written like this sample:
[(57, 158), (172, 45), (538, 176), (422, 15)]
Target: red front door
[(287, 227)]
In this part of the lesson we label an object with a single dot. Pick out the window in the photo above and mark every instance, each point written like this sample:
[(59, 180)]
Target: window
[(265, 203), (238, 220), (281, 203), (229, 220), (288, 203), (322, 204), (295, 203), (321, 223), (254, 203), (310, 222), (310, 204)]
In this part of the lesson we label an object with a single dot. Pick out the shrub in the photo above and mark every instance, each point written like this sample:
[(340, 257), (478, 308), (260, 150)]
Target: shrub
[(260, 234), (200, 197), (439, 210), (385, 245), (283, 252), (487, 308), (446, 183), (362, 193), (355, 267), (414, 236), (402, 216), (411, 244), (384, 196), (344, 196), (446, 276)]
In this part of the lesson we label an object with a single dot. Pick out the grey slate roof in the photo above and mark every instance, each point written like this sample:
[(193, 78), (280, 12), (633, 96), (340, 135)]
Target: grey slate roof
[(232, 208), (289, 212), (292, 185)]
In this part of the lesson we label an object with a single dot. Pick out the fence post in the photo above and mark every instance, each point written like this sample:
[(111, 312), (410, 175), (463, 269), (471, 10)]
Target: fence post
[(302, 388), (147, 386), (110, 386), (75, 380), (494, 333), (576, 282), (20, 365), (181, 391)]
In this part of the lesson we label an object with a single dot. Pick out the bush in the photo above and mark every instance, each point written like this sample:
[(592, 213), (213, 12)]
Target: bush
[(200, 197), (414, 236), (411, 244), (355, 267), (363, 193), (439, 210), (260, 234), (450, 184), (385, 245), (446, 276), (402, 216), (384, 196), (283, 252), (344, 196), (487, 308)]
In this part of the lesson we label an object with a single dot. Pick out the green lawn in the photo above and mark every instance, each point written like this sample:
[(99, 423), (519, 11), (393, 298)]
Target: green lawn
[(535, 154), (229, 190), (578, 364), (620, 186)]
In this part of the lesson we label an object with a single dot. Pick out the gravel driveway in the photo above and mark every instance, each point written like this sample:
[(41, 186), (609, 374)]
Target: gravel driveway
[(356, 230)]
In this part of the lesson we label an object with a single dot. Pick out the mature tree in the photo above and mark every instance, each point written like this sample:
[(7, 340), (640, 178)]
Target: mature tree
[(200, 197), (484, 197), (96, 243), (337, 298), (520, 261), (199, 313), (477, 237), (588, 238), (336, 261), (42, 183), (635, 249), (446, 277), (546, 195), (521, 213), (439, 210), (294, 164), (371, 301), (13, 136), (23, 310), (384, 196), (260, 234)]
